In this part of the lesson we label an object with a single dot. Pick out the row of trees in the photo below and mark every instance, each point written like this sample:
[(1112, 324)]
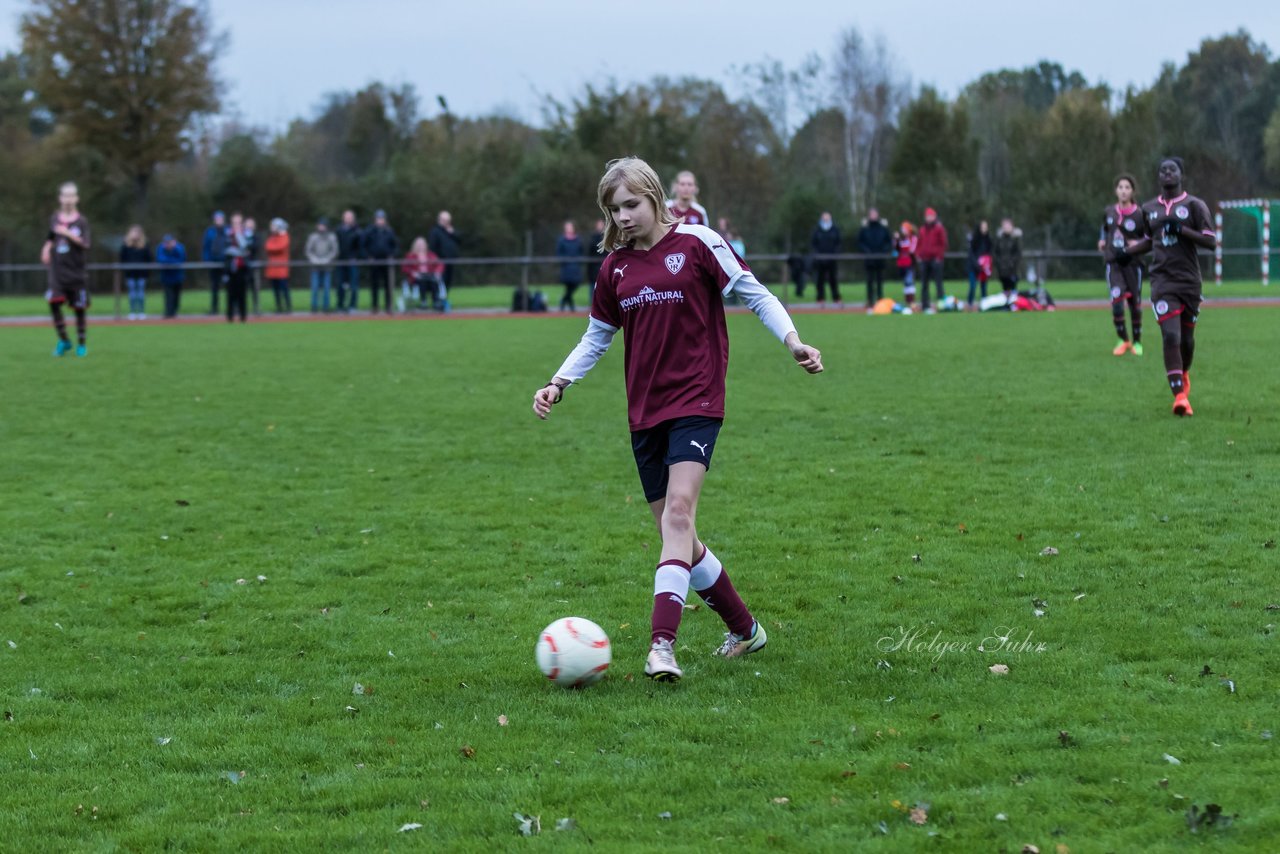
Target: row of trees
[(97, 95)]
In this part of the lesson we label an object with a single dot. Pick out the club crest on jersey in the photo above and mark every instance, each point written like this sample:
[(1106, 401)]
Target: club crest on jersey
[(1182, 212), (1162, 307), (675, 263), (1129, 225)]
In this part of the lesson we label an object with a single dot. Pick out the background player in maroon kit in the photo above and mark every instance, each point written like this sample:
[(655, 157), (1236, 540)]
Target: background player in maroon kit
[(662, 285), (65, 253), (1177, 223), (1121, 223), (684, 202)]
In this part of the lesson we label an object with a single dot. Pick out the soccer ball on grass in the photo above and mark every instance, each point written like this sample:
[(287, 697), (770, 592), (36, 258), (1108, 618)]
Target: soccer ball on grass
[(573, 652)]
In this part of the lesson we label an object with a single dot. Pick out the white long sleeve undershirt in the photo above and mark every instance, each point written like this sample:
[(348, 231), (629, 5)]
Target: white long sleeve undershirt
[(766, 306), (595, 341), (599, 335)]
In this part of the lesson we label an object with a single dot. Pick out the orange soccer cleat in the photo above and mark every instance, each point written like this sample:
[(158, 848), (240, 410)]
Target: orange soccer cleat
[(1186, 382), (1182, 406), (1121, 348)]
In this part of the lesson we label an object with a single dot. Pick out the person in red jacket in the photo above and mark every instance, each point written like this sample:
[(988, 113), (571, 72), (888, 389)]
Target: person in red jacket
[(423, 271), (904, 252), (931, 249)]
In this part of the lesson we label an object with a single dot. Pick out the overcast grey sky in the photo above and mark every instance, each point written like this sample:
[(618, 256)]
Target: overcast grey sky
[(486, 55)]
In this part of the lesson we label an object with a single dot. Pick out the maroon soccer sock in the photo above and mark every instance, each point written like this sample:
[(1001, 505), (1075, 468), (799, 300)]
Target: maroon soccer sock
[(670, 588), (717, 591), (59, 322), (1135, 320), (81, 326)]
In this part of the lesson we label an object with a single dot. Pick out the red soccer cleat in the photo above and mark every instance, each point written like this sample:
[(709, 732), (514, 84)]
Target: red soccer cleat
[(1182, 406), (1186, 382)]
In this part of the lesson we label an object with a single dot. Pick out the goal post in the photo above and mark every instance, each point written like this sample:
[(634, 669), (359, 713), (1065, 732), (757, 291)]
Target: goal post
[(1260, 211)]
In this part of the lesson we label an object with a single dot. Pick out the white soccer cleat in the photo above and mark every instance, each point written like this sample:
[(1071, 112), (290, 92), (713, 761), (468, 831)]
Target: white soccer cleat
[(736, 645), (661, 666)]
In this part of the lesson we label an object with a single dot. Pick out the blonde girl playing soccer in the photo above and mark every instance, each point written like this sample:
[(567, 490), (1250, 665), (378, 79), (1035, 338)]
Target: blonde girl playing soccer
[(662, 285)]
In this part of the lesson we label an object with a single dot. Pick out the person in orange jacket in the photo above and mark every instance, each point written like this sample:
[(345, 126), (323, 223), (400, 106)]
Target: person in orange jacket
[(278, 265)]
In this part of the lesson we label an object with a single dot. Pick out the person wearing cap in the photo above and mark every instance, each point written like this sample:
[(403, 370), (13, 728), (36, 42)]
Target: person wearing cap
[(321, 249), (171, 255), (381, 247), (278, 265), (214, 250), (931, 249)]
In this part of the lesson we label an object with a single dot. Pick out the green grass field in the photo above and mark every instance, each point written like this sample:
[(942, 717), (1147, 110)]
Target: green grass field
[(416, 527), (195, 301)]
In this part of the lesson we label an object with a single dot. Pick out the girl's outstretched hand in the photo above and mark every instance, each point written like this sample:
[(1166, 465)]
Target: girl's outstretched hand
[(545, 398), (806, 357)]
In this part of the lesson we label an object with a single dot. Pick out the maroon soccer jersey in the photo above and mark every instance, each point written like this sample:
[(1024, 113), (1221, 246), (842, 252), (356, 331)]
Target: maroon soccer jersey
[(1119, 226), (668, 303), (695, 214), (1176, 264)]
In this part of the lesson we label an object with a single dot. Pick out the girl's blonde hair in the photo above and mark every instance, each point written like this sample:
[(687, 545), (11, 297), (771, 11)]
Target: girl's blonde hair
[(639, 178), (135, 237)]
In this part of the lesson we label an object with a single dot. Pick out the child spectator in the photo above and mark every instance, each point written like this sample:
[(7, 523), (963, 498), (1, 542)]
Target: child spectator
[(136, 251), (904, 241), (173, 255)]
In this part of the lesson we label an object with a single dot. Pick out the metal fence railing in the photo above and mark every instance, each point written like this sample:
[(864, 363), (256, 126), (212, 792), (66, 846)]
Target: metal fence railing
[(1042, 266)]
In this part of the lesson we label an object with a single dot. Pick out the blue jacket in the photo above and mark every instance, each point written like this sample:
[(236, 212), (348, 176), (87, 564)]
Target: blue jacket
[(176, 256), (570, 271), (215, 244)]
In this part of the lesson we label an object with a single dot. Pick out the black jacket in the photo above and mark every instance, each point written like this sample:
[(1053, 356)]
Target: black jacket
[(1007, 254), (350, 243), (979, 245), (139, 255), (380, 242), (445, 243), (874, 238), (826, 242)]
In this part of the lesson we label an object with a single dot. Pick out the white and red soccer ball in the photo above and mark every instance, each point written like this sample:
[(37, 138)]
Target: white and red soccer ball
[(573, 652)]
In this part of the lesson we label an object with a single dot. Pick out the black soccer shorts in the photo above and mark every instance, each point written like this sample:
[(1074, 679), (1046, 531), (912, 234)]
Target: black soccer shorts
[(688, 439)]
